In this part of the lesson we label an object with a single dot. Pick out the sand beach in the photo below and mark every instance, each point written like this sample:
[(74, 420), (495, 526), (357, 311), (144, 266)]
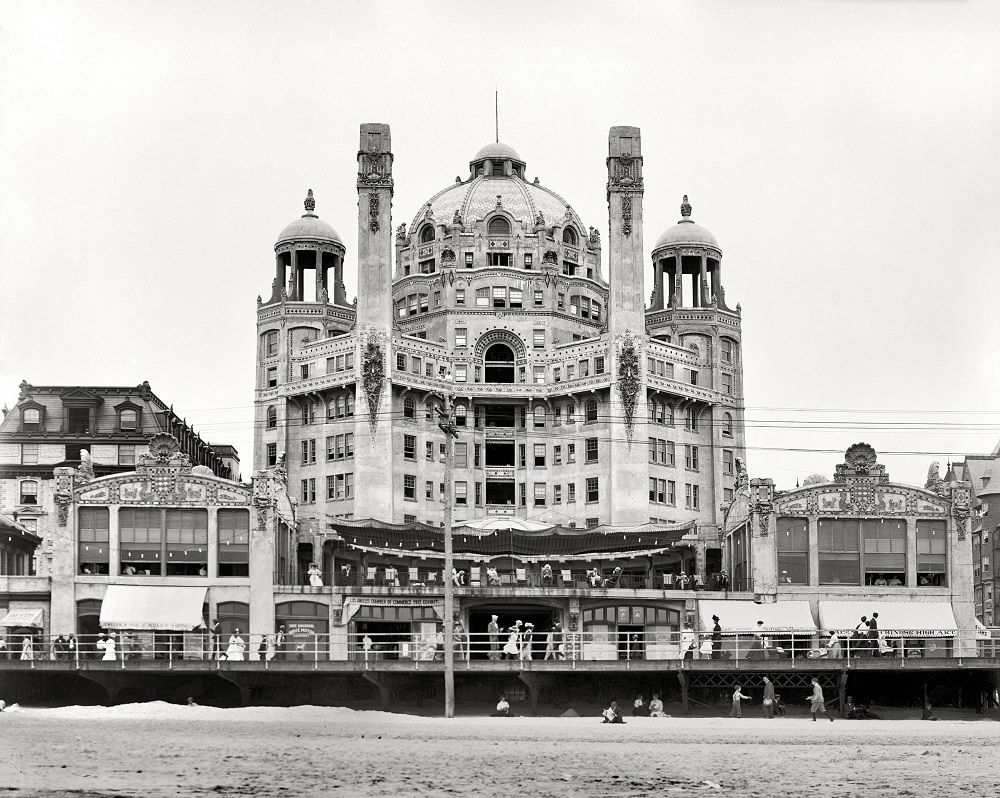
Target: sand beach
[(160, 749)]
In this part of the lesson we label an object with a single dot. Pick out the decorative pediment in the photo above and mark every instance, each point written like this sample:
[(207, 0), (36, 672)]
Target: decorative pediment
[(80, 396)]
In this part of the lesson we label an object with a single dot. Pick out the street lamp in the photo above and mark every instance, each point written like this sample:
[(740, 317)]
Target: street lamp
[(447, 425)]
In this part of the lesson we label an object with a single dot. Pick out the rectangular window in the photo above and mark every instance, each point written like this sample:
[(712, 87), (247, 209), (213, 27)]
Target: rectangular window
[(727, 384), (29, 454), (727, 461), (884, 551), (477, 452), (690, 457), (593, 494), (570, 452), (527, 260), (539, 494), (839, 551), (308, 491), (437, 299), (592, 450), (516, 298), (308, 413), (482, 297), (459, 296), (499, 296), (304, 370), (694, 377), (574, 306), (400, 362), (461, 336), (309, 451), (593, 523), (539, 455), (538, 375), (461, 493), (271, 377), (410, 447), (727, 351), (932, 554), (429, 490), (234, 542), (584, 368), (479, 494), (560, 301), (539, 298), (409, 487), (461, 455), (556, 374), (599, 365), (557, 455), (671, 492), (538, 339), (468, 260), (557, 494), (126, 454), (522, 492), (461, 374), (571, 493), (93, 537), (792, 544), (521, 455), (272, 454)]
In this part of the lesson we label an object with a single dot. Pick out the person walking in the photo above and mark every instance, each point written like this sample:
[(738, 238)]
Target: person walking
[(768, 701), (716, 638), (816, 701), (687, 643), (873, 635), (833, 646), (737, 710), (216, 632), (526, 640), (493, 630)]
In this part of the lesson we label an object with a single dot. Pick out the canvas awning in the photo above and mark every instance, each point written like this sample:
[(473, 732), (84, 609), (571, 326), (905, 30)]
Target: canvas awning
[(895, 618), (29, 618), (742, 616), (177, 609)]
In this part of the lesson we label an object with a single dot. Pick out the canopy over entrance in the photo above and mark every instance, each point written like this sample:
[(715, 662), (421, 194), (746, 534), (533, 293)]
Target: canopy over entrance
[(29, 619), (177, 609), (895, 618), (742, 616)]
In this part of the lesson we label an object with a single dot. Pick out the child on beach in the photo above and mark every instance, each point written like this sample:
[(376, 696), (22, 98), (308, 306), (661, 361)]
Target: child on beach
[(737, 710), (816, 701)]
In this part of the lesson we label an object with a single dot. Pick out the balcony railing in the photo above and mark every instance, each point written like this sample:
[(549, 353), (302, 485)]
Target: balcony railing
[(127, 648)]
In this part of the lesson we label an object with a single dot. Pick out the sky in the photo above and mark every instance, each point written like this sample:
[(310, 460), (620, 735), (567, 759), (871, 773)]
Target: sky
[(844, 153)]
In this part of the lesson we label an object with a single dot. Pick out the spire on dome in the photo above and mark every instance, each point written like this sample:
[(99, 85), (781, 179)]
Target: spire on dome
[(310, 203), (685, 207)]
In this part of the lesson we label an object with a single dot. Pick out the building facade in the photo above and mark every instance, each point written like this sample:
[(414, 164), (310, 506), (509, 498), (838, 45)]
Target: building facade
[(576, 405), (982, 473)]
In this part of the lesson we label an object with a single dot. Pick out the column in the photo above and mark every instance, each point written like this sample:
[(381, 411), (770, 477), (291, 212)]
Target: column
[(703, 282), (293, 274), (320, 275), (813, 551)]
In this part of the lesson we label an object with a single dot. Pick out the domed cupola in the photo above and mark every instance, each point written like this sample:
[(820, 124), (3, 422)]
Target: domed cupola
[(306, 253), (496, 160), (309, 227), (691, 259)]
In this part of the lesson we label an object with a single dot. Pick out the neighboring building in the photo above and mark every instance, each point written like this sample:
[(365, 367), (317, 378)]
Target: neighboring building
[(861, 544), (982, 472), (576, 405), (101, 429)]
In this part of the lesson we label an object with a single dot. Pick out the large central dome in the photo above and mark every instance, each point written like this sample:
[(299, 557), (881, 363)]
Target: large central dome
[(496, 177)]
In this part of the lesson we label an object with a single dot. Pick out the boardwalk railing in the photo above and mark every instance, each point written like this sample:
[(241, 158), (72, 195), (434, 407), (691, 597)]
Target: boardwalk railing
[(176, 649)]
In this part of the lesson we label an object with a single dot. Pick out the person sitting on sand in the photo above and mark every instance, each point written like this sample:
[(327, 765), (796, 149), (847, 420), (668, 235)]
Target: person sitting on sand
[(503, 708), (656, 707), (191, 702), (639, 708), (612, 714), (927, 714)]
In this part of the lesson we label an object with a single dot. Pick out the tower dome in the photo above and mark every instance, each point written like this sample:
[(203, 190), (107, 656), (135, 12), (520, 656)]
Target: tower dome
[(686, 232), (309, 227)]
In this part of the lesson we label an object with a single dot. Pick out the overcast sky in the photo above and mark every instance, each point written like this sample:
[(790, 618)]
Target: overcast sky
[(845, 155)]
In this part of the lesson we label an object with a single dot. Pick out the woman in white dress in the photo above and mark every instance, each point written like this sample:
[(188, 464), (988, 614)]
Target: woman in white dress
[(110, 651), (512, 648), (236, 647), (27, 648), (315, 575)]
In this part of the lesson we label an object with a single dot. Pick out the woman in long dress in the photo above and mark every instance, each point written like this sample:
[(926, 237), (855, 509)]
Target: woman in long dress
[(512, 648), (315, 575), (27, 648), (236, 647), (110, 652)]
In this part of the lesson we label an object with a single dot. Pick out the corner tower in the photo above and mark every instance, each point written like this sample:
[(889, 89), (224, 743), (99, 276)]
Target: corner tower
[(626, 325)]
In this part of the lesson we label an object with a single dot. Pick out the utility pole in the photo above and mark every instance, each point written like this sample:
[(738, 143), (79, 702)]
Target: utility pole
[(447, 425)]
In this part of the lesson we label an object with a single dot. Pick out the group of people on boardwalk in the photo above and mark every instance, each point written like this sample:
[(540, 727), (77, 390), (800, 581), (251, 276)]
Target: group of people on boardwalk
[(521, 640)]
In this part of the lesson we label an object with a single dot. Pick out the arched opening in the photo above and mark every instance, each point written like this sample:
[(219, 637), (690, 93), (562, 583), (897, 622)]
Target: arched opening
[(499, 363), (569, 237), (427, 234), (499, 226), (272, 417)]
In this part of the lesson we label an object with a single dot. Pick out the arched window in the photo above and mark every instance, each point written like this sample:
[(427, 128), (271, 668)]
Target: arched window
[(499, 362), (128, 419), (409, 408), (539, 416), (499, 226), (727, 425), (427, 234), (272, 417), (31, 419), (569, 236), (461, 415)]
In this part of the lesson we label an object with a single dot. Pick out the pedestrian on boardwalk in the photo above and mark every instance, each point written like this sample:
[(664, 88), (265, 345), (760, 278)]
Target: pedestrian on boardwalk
[(833, 647), (873, 635), (716, 638), (512, 648), (768, 702), (816, 701), (526, 640), (494, 632), (216, 631), (687, 643)]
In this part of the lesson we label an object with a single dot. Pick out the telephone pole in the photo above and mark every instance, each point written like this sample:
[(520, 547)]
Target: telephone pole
[(447, 425)]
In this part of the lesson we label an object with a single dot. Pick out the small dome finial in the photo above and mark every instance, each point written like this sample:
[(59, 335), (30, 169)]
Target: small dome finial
[(685, 207), (310, 203)]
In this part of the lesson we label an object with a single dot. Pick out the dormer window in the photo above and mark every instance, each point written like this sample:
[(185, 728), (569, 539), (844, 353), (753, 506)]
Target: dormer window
[(31, 419), (128, 421)]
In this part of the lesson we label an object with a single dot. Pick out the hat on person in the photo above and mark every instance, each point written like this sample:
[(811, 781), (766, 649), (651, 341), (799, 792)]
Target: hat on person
[(494, 617), (529, 625), (715, 617)]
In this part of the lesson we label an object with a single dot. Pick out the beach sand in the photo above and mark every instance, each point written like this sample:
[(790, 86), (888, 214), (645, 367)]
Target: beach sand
[(160, 749)]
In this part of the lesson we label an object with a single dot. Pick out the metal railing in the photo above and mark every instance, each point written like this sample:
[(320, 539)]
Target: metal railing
[(180, 649)]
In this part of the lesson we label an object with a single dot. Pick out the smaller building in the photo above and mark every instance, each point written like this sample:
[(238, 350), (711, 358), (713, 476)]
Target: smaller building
[(982, 473)]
